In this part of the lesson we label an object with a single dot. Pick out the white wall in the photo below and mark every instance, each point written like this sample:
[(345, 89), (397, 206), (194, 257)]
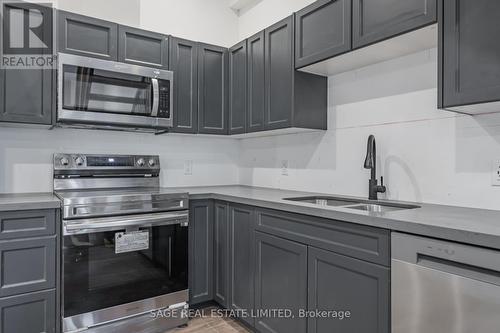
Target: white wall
[(424, 154), (209, 21), (26, 155), (266, 13)]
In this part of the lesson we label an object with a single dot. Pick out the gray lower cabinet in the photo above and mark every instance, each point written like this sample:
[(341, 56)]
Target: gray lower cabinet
[(142, 47), (256, 95), (293, 99), (469, 67), (322, 31), (201, 236), (30, 271), (238, 88), (184, 64), (376, 20), (29, 313), (26, 95), (241, 261), (280, 283), (212, 89), (27, 265), (341, 283), (221, 253), (87, 36)]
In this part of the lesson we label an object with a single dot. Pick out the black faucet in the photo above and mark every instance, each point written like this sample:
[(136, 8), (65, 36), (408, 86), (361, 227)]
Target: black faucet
[(370, 163)]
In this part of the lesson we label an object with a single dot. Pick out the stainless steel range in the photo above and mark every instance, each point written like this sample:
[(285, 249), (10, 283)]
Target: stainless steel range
[(125, 243)]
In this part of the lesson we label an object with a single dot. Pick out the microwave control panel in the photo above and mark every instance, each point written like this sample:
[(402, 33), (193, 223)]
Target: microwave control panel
[(164, 99)]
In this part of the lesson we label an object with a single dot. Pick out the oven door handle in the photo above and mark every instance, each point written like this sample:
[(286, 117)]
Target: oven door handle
[(85, 226), (156, 98)]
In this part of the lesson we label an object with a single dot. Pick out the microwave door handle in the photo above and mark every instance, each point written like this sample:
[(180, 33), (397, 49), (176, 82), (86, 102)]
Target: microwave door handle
[(156, 97)]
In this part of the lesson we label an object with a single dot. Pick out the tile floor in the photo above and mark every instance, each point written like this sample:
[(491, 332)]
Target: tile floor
[(208, 324)]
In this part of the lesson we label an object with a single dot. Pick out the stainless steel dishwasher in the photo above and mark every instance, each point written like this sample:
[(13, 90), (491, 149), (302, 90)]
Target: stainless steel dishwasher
[(444, 287)]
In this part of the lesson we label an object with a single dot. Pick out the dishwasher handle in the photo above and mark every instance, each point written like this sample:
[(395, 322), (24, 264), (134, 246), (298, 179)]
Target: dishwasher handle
[(456, 259)]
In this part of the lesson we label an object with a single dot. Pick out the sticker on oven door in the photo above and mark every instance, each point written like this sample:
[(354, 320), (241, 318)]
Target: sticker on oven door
[(131, 241)]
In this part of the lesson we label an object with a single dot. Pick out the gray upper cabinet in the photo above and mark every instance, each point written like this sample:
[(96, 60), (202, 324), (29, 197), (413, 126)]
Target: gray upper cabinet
[(26, 95), (347, 284), (87, 36), (238, 88), (141, 47), (212, 89), (293, 98), (322, 30), (469, 56), (279, 74), (29, 313), (184, 64), (256, 83), (241, 259), (376, 20), (280, 283), (201, 236), (221, 252)]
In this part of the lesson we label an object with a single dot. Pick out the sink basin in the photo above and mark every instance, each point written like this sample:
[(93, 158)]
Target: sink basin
[(327, 201), (381, 208), (356, 204)]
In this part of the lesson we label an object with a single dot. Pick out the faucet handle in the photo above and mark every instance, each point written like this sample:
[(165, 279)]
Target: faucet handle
[(381, 180)]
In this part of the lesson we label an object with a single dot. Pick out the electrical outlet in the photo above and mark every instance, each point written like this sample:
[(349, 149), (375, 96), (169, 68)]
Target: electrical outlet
[(495, 173), (284, 167), (188, 167)]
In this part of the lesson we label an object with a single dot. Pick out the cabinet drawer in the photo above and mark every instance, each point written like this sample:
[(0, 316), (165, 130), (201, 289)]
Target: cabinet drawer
[(357, 241), (27, 265), (30, 313), (27, 223)]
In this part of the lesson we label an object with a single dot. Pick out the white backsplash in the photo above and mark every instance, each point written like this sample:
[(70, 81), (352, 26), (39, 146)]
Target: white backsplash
[(26, 155)]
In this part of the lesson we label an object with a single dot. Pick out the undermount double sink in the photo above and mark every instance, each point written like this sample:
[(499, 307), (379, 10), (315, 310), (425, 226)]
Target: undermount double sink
[(355, 204)]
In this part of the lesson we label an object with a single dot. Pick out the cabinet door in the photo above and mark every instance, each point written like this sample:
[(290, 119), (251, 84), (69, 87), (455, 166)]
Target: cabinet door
[(323, 30), (376, 20), (241, 276), (87, 36), (470, 57), (27, 265), (256, 83), (212, 89), (238, 88), (342, 283), (184, 64), (29, 313), (280, 282), (26, 95), (221, 252), (201, 237), (141, 47), (279, 71)]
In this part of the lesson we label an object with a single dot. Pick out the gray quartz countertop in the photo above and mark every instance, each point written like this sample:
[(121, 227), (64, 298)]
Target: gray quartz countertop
[(27, 201), (466, 225)]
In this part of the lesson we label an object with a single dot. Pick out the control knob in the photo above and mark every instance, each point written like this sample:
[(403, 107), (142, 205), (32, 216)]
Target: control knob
[(79, 161), (64, 161), (140, 162), (152, 162)]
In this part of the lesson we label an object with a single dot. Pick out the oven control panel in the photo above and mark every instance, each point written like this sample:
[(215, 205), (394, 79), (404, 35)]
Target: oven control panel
[(102, 162)]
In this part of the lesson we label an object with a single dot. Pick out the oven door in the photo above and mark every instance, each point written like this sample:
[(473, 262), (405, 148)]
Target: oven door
[(106, 278), (101, 92)]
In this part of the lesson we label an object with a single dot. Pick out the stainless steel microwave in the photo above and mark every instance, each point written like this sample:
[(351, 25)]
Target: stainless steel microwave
[(103, 93)]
